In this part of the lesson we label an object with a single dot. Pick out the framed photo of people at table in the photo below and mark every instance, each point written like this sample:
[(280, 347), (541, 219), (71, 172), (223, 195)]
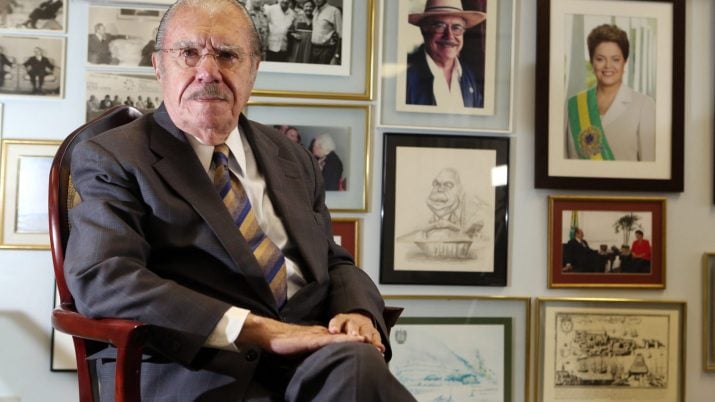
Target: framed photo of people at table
[(336, 135), (605, 350), (444, 210), (480, 57), (609, 104), (709, 312), (608, 242)]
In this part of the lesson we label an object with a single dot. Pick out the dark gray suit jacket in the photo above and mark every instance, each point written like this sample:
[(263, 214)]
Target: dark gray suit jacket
[(152, 241)]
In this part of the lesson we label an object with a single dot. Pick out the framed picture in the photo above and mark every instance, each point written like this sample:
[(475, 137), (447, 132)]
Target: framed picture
[(339, 66), (23, 193), (36, 16), (122, 36), (32, 66), (478, 347), (597, 350), (609, 114), (62, 357), (709, 311), (337, 135), (444, 210), (485, 58), (104, 90), (606, 242), (346, 233)]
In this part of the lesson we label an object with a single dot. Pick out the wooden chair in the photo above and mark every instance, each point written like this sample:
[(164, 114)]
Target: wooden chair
[(89, 335)]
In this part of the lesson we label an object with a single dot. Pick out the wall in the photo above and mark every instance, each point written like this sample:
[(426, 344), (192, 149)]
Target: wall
[(26, 276)]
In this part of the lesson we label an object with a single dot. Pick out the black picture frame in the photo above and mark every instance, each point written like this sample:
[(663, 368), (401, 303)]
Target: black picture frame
[(421, 246), (552, 167)]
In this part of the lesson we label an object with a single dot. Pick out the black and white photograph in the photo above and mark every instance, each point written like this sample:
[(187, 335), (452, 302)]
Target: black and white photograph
[(32, 66), (447, 49), (123, 37), (106, 90), (444, 210), (304, 36), (330, 146), (34, 15)]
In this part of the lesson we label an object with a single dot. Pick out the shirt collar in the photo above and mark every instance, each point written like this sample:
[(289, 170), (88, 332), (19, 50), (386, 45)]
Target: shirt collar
[(235, 144), (437, 70)]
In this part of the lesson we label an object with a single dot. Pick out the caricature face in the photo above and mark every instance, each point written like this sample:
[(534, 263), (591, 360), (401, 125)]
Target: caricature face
[(445, 194)]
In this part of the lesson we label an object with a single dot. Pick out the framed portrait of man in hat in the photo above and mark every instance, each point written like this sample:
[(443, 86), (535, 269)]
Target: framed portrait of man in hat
[(477, 49)]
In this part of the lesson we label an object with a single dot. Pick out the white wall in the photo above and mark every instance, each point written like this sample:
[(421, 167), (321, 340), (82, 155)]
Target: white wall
[(26, 276)]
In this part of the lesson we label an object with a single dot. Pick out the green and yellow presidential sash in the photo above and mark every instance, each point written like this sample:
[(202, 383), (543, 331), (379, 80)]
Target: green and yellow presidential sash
[(586, 128)]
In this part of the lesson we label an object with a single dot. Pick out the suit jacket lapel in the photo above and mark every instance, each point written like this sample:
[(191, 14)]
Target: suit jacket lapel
[(181, 169)]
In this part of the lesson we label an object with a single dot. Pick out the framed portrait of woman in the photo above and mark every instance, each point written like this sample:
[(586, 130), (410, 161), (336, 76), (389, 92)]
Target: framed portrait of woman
[(609, 95)]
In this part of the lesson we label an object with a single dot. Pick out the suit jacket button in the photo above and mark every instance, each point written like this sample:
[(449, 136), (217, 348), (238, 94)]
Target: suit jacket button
[(251, 355)]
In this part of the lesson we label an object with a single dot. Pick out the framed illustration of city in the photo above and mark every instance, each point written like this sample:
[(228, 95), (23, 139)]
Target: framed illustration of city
[(485, 52), (348, 79), (462, 348), (444, 210), (609, 104), (598, 350), (709, 312), (614, 242)]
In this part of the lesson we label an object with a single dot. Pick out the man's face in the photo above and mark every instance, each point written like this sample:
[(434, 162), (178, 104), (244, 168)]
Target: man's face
[(206, 99), (284, 4), (99, 29), (446, 190), (579, 234), (444, 46), (308, 8), (319, 3)]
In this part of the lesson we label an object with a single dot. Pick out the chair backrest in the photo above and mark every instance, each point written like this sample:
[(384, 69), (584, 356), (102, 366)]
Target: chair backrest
[(62, 196)]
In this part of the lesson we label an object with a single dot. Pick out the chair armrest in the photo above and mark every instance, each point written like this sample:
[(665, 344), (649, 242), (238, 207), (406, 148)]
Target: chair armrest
[(129, 337)]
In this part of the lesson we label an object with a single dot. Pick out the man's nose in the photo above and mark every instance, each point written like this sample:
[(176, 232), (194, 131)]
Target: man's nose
[(207, 69)]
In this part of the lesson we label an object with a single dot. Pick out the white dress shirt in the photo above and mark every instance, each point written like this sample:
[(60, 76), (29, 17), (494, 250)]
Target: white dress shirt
[(446, 95)]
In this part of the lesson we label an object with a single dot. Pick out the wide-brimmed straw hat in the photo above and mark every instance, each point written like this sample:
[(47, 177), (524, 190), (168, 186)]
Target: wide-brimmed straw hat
[(449, 8)]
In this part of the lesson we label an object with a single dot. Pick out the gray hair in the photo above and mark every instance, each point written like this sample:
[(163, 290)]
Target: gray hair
[(212, 6), (326, 142)]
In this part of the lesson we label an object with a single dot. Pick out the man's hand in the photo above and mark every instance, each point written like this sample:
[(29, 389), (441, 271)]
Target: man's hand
[(290, 339), (358, 325)]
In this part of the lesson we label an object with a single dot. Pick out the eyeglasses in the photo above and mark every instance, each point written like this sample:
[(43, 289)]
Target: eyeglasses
[(227, 58), (441, 27)]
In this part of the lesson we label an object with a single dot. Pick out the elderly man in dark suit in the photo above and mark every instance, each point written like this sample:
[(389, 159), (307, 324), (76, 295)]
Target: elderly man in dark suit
[(435, 74), (213, 228)]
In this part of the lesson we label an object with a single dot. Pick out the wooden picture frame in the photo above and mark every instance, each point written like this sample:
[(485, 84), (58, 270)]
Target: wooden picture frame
[(23, 193), (346, 233), (496, 330), (709, 312), (347, 125), (609, 255), (458, 235), (488, 47), (644, 151), (598, 350), (354, 83)]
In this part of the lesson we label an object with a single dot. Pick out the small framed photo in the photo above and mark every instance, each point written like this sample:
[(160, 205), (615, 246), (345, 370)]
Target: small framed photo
[(339, 141), (36, 16), (346, 233), (610, 94), (104, 90), (478, 347), (598, 350), (62, 356), (444, 210), (607, 242), (23, 193), (483, 54), (32, 66), (334, 62), (122, 36), (709, 311)]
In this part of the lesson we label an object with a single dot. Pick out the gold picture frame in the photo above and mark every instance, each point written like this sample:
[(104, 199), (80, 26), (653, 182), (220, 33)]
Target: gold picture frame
[(598, 350), (23, 193), (709, 312)]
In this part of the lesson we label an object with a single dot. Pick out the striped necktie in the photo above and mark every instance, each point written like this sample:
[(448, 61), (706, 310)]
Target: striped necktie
[(269, 256)]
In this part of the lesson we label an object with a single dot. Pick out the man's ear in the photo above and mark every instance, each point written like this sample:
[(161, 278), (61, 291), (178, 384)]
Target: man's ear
[(155, 63)]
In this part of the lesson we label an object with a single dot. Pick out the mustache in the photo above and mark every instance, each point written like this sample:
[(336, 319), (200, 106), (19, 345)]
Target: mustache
[(211, 90), (447, 43)]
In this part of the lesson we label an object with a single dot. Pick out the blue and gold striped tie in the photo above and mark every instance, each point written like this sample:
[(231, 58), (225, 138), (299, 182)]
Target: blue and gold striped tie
[(269, 256)]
